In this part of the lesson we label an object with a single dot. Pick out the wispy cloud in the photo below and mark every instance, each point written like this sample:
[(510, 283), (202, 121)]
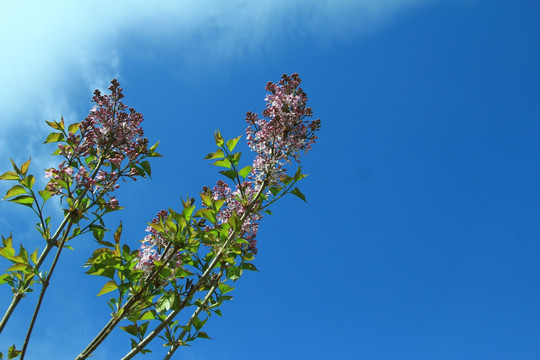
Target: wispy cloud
[(55, 52)]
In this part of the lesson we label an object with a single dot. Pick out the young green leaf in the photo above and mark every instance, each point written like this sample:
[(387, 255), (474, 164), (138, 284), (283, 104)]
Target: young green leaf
[(9, 175), (249, 266), (25, 200), (231, 144), (231, 174), (45, 194), (298, 193), (108, 287), (146, 166), (223, 163), (34, 256), (4, 278), (74, 127), (18, 267), (215, 155), (298, 175), (29, 181), (14, 191), (25, 166), (118, 233), (15, 167), (154, 147), (131, 329), (245, 171), (203, 335), (224, 288), (206, 199), (54, 137), (218, 138), (7, 252), (149, 315)]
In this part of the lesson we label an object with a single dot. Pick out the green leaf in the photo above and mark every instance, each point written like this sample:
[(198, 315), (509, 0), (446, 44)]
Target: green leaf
[(249, 266), (108, 287), (223, 163), (203, 335), (55, 125), (298, 175), (98, 232), (54, 137), (245, 171), (4, 278), (275, 190), (165, 302), (146, 166), (15, 167), (23, 254), (18, 267), (142, 328), (118, 233), (9, 175), (29, 181), (73, 128), (14, 191), (224, 288), (26, 200), (231, 174), (45, 194), (234, 273), (197, 323), (149, 315), (154, 147), (215, 155), (286, 179), (298, 193), (231, 144), (235, 158), (131, 329), (7, 252), (8, 242), (218, 138), (13, 352), (234, 221), (207, 214), (206, 199), (25, 166), (188, 211), (34, 256)]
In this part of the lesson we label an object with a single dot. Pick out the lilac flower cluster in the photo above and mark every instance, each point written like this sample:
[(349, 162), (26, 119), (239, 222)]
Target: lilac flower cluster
[(106, 137), (113, 131), (148, 253), (283, 132), (233, 204)]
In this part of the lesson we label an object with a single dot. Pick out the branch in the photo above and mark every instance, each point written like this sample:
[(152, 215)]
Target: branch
[(197, 311)]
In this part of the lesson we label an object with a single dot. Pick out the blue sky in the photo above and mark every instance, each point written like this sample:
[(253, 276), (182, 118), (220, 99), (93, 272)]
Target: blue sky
[(420, 239)]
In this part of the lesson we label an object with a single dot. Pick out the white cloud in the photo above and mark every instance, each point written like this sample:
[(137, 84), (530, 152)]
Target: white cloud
[(56, 52)]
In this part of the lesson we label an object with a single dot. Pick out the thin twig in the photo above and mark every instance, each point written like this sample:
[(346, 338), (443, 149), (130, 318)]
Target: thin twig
[(43, 290)]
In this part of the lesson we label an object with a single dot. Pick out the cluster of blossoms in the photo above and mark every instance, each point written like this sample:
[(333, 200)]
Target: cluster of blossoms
[(95, 149), (152, 244), (233, 204), (111, 130), (283, 132)]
